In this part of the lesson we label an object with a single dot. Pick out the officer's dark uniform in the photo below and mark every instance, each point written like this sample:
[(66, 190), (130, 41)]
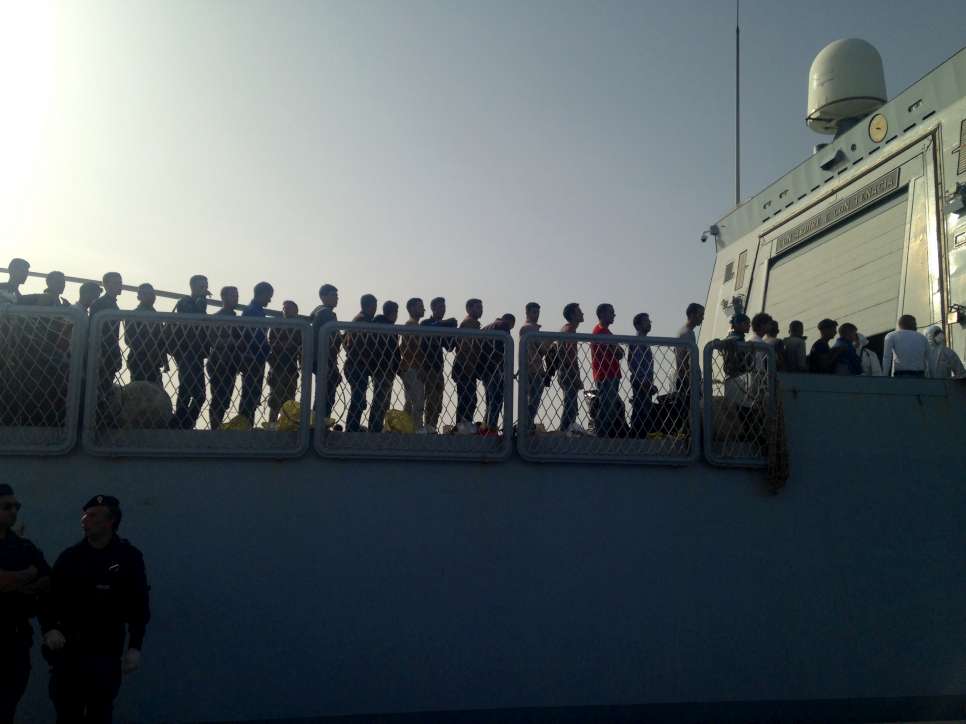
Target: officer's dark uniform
[(94, 593), (16, 633)]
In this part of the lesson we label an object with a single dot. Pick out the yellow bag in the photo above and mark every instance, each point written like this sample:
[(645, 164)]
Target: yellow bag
[(290, 417), (240, 422), (399, 421)]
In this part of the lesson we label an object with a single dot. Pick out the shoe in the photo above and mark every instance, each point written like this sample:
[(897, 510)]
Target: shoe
[(466, 428)]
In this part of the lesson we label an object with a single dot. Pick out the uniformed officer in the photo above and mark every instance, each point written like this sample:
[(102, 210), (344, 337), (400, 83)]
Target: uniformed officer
[(24, 577), (97, 586)]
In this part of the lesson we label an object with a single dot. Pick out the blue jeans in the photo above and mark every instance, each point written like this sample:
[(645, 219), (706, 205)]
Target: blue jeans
[(381, 391), (494, 399), (466, 398), (534, 394), (569, 415), (253, 377), (358, 380), (607, 406)]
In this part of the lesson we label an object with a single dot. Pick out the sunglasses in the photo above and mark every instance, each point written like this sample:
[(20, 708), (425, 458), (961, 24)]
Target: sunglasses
[(9, 506)]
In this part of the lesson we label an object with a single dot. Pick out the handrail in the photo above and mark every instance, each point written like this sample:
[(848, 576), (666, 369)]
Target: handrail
[(196, 361), (657, 431), (740, 402), (432, 394), (41, 378)]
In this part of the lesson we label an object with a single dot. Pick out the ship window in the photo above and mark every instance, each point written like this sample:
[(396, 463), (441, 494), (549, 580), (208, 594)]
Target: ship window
[(729, 271), (740, 273)]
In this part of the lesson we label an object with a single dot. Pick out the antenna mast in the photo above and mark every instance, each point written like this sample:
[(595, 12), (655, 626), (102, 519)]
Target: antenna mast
[(737, 103)]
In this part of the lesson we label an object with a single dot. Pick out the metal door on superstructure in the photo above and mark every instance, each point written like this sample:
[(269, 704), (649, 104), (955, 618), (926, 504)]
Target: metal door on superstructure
[(849, 274)]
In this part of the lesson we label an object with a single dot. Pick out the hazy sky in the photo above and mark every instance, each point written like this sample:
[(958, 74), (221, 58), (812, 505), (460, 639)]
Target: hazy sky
[(556, 151)]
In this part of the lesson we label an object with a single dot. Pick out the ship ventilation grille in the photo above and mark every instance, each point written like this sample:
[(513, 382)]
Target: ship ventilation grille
[(962, 148), (729, 271)]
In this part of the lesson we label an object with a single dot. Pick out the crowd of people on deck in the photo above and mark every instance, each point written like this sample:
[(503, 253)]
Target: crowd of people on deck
[(842, 350), (372, 362)]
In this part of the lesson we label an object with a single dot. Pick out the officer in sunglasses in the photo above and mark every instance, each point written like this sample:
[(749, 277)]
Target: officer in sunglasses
[(24, 577)]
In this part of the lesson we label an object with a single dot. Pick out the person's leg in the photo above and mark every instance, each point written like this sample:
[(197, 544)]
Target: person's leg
[(607, 407), (494, 400), (534, 395), (196, 391), (415, 385), (253, 377), (465, 397), (14, 674), (382, 383), (332, 385), (103, 681), (569, 414), (434, 397), (65, 687), (358, 385), (222, 385)]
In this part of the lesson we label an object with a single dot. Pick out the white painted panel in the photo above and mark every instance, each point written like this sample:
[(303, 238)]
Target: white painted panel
[(849, 275)]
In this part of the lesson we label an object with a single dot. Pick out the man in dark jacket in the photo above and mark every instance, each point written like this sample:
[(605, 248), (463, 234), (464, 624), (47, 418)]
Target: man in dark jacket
[(24, 578), (492, 363), (110, 348), (358, 363), (146, 355), (284, 362), (254, 352), (322, 315), (223, 359), (385, 365), (98, 587), (188, 343), (820, 357), (434, 351)]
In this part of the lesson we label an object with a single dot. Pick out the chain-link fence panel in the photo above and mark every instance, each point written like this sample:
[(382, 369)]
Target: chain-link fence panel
[(41, 378), (607, 399), (739, 402), (408, 391), (202, 385)]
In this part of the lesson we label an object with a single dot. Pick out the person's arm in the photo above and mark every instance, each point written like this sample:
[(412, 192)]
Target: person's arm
[(138, 614), (887, 350), (16, 581)]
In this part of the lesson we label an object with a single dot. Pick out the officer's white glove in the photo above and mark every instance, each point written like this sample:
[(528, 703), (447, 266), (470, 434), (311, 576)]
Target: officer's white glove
[(131, 661), (54, 640)]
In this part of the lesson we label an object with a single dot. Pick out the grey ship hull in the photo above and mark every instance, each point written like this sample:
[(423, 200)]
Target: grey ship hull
[(310, 588)]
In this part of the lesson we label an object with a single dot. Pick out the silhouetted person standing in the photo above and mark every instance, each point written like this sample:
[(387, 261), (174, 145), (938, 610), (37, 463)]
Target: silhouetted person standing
[(98, 587), (536, 364), (492, 369), (795, 358), (640, 365), (86, 296), (820, 357), (358, 363), (56, 284), (466, 367), (567, 362), (284, 360), (905, 352), (17, 271), (188, 343), (24, 578), (435, 348), (224, 364), (110, 347), (322, 315), (254, 352), (384, 365), (146, 355), (606, 366)]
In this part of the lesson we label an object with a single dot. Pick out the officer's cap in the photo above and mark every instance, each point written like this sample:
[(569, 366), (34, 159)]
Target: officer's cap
[(109, 500), (5, 489)]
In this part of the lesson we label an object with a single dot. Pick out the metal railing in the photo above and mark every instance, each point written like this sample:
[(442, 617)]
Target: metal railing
[(407, 391), (204, 385), (740, 402), (607, 399), (41, 378)]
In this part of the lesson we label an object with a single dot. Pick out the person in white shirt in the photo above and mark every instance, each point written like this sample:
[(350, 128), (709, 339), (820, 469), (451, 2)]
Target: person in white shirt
[(870, 360), (943, 362), (904, 353)]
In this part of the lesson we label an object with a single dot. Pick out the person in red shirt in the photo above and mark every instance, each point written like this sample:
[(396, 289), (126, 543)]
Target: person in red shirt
[(605, 363)]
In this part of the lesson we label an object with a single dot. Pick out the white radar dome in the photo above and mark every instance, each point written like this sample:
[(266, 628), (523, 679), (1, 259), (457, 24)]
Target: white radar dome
[(846, 82)]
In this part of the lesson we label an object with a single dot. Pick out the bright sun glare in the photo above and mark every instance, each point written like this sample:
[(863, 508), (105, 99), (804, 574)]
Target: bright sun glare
[(27, 55)]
